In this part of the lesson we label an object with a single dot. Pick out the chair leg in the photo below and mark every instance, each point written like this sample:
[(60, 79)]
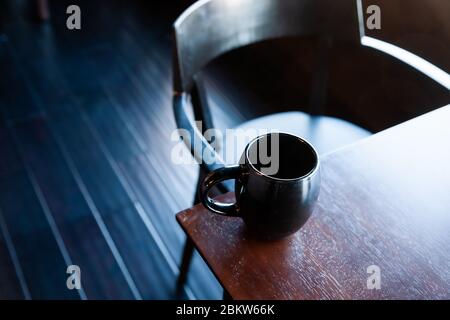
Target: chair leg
[(189, 245), (185, 263), (188, 250), (226, 296)]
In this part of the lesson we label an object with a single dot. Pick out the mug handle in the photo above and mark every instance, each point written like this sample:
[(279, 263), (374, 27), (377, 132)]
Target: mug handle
[(214, 177)]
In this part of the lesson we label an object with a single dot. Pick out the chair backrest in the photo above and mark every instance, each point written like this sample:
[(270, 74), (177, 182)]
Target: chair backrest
[(421, 27), (210, 28)]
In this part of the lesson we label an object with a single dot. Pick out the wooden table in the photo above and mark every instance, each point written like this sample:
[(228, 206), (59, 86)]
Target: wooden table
[(385, 201)]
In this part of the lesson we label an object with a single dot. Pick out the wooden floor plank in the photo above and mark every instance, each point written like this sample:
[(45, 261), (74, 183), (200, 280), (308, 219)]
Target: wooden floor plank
[(143, 257), (115, 140), (18, 109), (10, 286), (37, 250), (157, 182), (116, 208), (121, 144), (87, 242)]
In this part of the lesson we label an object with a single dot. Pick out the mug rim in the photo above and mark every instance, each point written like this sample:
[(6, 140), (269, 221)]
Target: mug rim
[(302, 140)]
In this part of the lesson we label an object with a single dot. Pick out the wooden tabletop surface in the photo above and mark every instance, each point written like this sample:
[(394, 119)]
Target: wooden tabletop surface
[(384, 202)]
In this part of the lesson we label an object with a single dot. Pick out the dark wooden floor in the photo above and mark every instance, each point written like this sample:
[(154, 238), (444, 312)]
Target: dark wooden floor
[(85, 141), (85, 127)]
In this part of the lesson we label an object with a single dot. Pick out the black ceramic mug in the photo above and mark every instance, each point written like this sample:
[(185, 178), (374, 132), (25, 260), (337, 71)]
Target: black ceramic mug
[(277, 185)]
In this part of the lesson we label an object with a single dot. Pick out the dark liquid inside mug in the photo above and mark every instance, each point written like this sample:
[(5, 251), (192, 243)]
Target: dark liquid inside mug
[(277, 185)]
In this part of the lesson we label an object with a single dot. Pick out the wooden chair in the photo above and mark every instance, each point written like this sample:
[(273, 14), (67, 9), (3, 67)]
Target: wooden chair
[(210, 28)]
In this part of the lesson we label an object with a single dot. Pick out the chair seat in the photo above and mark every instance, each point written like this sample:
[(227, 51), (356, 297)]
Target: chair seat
[(324, 133)]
